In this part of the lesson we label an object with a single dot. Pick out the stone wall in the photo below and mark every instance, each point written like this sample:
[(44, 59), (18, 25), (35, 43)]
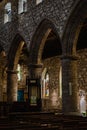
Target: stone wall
[(9, 29), (53, 66), (82, 69), (56, 11), (26, 23)]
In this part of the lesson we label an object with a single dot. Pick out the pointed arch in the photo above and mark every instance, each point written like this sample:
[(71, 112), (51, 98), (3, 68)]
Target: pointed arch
[(39, 38), (73, 27), (14, 52)]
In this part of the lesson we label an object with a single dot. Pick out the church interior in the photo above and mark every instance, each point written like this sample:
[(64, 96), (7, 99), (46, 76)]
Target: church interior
[(43, 66)]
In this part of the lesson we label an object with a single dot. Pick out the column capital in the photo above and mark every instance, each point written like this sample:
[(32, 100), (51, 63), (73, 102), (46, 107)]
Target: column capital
[(35, 65), (70, 57), (12, 71)]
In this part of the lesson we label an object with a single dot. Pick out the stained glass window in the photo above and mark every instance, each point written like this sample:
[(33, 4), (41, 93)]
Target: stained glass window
[(45, 84)]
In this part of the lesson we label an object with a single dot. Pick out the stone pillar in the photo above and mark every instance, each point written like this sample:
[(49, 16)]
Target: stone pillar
[(12, 85), (35, 70), (69, 84), (1, 86), (2, 65), (35, 73)]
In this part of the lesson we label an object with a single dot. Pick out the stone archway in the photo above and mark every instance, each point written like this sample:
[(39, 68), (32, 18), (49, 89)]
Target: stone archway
[(38, 41), (3, 63), (70, 57), (73, 27), (12, 72), (44, 44), (39, 38)]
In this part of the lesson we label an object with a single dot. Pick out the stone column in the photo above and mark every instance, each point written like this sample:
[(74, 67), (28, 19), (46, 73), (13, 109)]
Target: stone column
[(1, 85), (12, 85), (2, 65), (69, 84), (35, 73)]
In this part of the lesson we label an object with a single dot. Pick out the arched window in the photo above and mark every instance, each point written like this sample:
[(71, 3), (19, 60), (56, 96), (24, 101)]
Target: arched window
[(22, 6), (45, 84), (7, 14), (60, 82), (19, 72), (38, 1)]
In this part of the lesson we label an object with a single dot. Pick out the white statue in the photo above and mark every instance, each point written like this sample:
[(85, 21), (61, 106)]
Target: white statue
[(83, 106)]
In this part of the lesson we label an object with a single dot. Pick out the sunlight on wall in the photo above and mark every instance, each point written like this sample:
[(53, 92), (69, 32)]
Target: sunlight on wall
[(45, 84), (19, 72), (60, 81)]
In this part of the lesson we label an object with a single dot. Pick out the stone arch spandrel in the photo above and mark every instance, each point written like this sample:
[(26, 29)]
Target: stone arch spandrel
[(73, 27), (39, 39)]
